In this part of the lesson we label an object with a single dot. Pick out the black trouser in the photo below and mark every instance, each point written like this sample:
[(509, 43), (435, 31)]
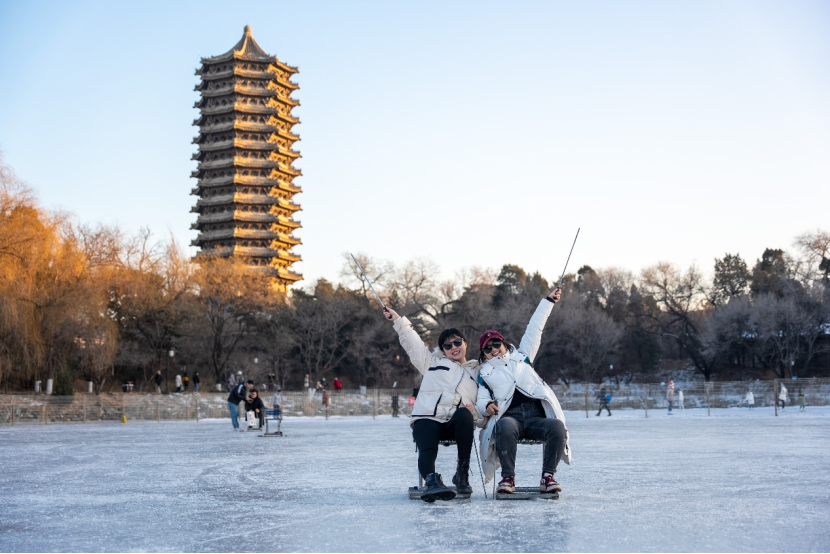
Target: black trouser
[(528, 421), (428, 433), (603, 404)]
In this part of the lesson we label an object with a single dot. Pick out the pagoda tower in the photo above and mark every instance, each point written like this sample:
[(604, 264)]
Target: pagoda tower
[(245, 173)]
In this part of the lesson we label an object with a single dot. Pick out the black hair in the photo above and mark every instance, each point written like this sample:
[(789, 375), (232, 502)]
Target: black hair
[(451, 332), (482, 358), (255, 391), (250, 382)]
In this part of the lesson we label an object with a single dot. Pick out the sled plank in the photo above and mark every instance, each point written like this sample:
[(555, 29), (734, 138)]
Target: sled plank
[(527, 493), (415, 494)]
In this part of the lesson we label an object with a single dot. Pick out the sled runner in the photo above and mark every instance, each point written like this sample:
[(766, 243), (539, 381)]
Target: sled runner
[(527, 493)]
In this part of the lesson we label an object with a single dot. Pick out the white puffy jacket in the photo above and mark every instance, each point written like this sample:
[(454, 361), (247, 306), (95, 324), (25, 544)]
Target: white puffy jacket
[(514, 371), (446, 386)]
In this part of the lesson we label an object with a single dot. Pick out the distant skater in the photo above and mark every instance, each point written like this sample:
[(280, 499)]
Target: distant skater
[(603, 398), (395, 405), (782, 396), (750, 399), (802, 402), (670, 395), (680, 400)]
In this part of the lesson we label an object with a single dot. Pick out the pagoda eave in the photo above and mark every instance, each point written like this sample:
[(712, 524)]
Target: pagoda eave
[(236, 161), (237, 198), (243, 144), (241, 108), (289, 275)]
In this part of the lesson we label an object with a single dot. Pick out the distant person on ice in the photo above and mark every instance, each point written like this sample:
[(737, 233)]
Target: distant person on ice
[(670, 395), (680, 400), (238, 394), (802, 401), (395, 404), (782, 396), (750, 399), (521, 404), (254, 404), (445, 406), (603, 397)]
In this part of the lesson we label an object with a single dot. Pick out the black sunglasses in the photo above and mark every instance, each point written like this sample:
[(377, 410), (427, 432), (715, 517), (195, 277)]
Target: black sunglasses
[(495, 345), (448, 345)]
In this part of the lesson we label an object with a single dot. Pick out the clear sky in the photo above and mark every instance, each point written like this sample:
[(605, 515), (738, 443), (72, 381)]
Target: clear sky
[(473, 133)]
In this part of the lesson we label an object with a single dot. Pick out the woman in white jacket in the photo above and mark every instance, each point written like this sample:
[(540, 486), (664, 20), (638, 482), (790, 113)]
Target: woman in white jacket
[(445, 406), (521, 404)]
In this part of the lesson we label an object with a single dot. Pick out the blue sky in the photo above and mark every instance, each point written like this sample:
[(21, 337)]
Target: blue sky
[(473, 133)]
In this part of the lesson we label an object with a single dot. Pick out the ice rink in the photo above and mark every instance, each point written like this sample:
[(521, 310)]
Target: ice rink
[(735, 481)]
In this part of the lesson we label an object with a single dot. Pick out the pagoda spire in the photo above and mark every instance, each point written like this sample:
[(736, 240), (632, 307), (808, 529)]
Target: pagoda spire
[(245, 174)]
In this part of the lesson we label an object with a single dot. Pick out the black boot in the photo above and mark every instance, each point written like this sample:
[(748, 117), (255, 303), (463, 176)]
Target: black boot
[(461, 477), (435, 489)]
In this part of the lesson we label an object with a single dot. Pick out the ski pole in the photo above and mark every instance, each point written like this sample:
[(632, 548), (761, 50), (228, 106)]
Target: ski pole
[(559, 286), (480, 472), (368, 281)]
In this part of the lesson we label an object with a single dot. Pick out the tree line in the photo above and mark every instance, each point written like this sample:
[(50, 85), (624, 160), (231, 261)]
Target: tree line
[(90, 302)]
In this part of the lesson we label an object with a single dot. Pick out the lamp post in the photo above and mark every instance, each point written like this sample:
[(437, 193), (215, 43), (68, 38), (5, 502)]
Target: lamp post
[(170, 354)]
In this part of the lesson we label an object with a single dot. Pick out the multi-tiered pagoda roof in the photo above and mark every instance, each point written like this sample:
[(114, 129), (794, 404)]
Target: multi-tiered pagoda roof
[(245, 173)]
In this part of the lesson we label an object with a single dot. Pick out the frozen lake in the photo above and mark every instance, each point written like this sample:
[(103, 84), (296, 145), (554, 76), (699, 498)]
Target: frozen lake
[(735, 481)]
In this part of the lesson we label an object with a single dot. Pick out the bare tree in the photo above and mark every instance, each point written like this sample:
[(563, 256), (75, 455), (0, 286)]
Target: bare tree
[(786, 331), (231, 297), (682, 308), (380, 272), (813, 264), (585, 337), (321, 327)]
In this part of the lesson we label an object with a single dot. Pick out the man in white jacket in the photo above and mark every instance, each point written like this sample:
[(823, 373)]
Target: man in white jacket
[(520, 403)]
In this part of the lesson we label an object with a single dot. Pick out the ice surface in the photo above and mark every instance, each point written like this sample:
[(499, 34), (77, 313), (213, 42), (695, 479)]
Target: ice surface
[(735, 481)]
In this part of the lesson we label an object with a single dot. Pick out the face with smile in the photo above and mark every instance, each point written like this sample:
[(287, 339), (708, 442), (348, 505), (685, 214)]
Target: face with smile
[(455, 348), (494, 348)]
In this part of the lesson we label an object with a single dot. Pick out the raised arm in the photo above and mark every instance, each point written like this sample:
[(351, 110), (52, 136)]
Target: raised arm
[(418, 352), (532, 338)]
